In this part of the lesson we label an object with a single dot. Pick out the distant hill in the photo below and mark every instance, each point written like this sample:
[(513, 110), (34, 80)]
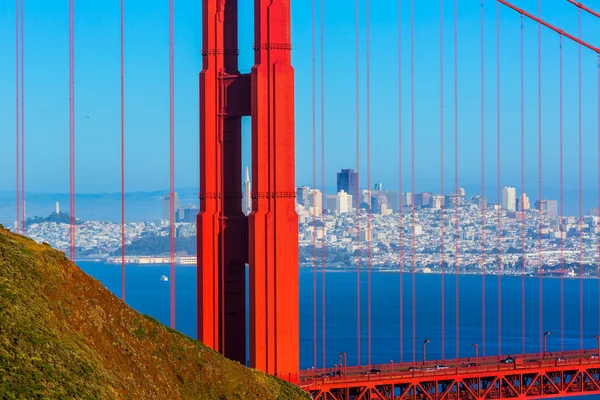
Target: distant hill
[(157, 245), (59, 218), (64, 335)]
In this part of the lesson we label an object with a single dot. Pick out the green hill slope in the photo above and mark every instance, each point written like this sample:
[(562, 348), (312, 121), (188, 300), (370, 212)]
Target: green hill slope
[(63, 335)]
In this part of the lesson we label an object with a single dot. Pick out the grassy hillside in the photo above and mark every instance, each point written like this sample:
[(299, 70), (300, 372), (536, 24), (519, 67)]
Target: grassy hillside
[(63, 335)]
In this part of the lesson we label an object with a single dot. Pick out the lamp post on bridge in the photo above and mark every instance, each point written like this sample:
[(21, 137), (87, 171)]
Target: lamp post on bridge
[(425, 350), (476, 354), (598, 338), (343, 356), (545, 337)]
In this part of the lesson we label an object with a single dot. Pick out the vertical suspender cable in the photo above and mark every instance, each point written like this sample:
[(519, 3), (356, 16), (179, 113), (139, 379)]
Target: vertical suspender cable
[(17, 193), (456, 168), (561, 229), (598, 224), (172, 161), (314, 185), (357, 194), (499, 211), (412, 145), (580, 187), (540, 215), (400, 185), (123, 150), (442, 233), (22, 116), (482, 205), (521, 206), (323, 306), (368, 237), (72, 126)]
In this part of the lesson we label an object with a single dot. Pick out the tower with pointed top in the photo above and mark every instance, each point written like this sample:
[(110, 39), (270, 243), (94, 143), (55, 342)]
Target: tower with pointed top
[(247, 194)]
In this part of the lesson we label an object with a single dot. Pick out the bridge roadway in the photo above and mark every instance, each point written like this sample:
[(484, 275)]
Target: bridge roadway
[(549, 375)]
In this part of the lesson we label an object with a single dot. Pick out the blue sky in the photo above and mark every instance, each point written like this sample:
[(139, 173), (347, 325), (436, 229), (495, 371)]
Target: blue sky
[(147, 118)]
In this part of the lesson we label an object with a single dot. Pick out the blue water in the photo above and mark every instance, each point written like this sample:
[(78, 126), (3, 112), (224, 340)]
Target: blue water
[(147, 294)]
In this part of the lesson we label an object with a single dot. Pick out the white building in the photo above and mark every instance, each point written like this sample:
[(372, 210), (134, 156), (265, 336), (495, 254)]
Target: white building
[(509, 198), (343, 202)]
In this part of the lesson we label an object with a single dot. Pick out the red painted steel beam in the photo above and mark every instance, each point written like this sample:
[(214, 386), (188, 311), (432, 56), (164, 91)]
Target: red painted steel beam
[(267, 240), (584, 8), (273, 233), (222, 226), (549, 26), (548, 378)]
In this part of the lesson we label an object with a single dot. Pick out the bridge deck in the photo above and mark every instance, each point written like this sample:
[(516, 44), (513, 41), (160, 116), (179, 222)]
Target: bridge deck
[(532, 375)]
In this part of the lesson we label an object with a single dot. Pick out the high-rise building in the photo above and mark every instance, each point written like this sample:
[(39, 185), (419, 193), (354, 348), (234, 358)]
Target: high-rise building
[(57, 208), (315, 201), (347, 180), (167, 205), (344, 203), (422, 199), (407, 199), (247, 198), (302, 194), (436, 202), (509, 197), (378, 202), (331, 202), (480, 201), (550, 206), (523, 203)]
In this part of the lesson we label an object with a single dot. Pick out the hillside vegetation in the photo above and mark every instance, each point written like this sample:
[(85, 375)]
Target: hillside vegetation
[(64, 336)]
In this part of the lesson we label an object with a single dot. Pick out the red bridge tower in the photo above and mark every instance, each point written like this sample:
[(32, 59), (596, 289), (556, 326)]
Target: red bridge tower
[(268, 239)]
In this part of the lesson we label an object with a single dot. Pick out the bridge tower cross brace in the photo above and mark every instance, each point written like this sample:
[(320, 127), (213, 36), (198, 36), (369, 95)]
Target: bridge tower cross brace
[(267, 240)]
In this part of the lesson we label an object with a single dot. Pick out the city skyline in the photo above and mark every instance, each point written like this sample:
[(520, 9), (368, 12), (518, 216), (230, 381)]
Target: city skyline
[(97, 61)]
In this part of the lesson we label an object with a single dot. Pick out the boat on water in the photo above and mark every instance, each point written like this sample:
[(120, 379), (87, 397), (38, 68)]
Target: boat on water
[(163, 278)]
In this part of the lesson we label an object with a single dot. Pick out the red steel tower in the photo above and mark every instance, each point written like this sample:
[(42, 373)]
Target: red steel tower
[(268, 239)]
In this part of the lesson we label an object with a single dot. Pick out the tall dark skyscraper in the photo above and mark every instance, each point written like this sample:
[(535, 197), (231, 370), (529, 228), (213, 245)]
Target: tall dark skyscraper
[(347, 180)]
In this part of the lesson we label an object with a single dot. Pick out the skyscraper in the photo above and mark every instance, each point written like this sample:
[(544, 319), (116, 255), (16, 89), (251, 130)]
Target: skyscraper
[(302, 193), (247, 202), (167, 205), (550, 206), (523, 203), (347, 180), (344, 202), (509, 198)]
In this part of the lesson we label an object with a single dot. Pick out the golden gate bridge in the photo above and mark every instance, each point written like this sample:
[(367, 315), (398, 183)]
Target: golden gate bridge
[(266, 241)]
